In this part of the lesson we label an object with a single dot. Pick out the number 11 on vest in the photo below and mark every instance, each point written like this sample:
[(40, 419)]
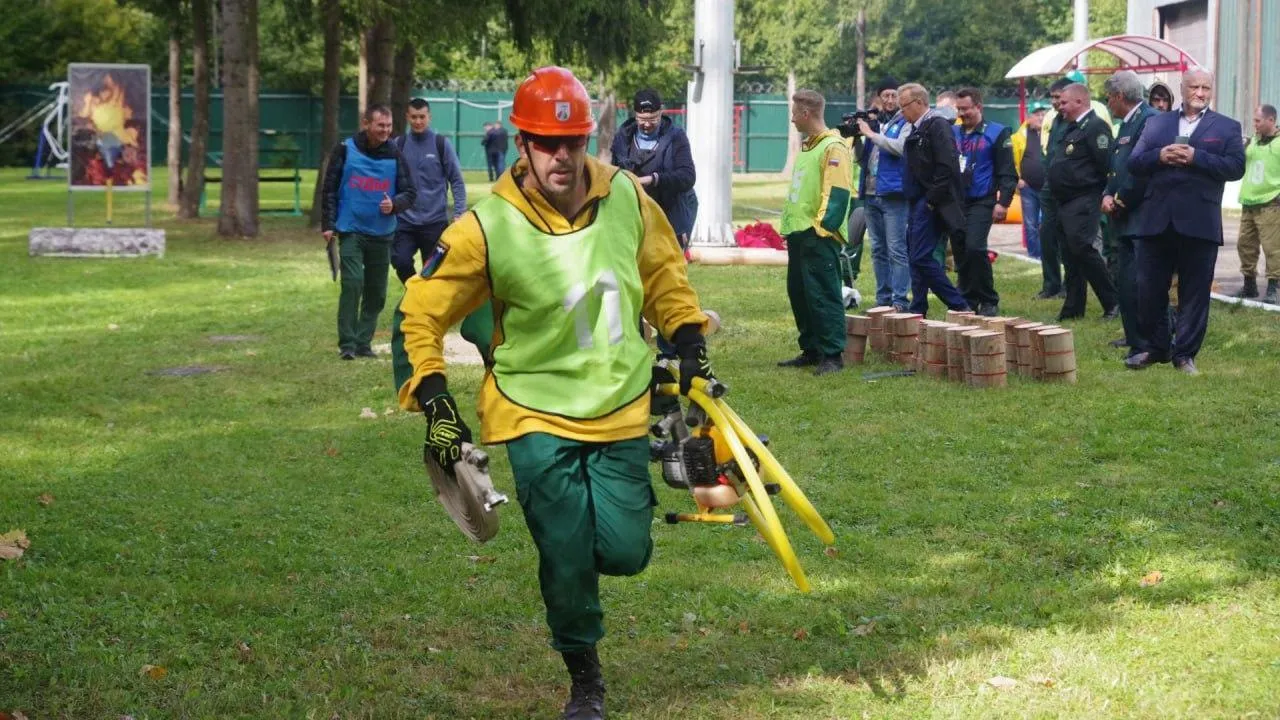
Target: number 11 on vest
[(576, 303)]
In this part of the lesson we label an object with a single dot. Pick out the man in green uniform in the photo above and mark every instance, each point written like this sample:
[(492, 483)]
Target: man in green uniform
[(815, 222), (1121, 198), (1077, 177), (572, 253), (1260, 201)]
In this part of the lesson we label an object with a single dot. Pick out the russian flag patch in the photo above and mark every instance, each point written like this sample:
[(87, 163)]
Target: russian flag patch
[(434, 260)]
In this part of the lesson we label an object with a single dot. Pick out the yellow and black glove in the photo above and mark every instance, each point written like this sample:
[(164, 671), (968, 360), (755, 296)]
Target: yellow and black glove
[(446, 432), (691, 348)]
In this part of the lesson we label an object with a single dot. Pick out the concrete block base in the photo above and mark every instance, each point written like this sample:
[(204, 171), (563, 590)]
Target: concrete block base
[(95, 242)]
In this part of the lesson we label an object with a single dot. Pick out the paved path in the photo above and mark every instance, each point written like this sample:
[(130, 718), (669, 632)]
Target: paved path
[(1226, 277)]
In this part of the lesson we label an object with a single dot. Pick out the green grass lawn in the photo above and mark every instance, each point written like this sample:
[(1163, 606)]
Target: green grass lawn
[(281, 557)]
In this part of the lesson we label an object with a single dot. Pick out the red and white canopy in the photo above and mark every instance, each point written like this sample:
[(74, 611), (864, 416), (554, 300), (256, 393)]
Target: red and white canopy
[(1139, 53)]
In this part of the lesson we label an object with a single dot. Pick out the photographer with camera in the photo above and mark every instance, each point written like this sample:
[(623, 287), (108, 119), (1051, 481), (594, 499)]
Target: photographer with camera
[(880, 189)]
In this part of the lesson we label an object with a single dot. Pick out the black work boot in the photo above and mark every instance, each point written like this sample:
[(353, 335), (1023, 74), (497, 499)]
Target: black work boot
[(829, 364), (804, 359), (1250, 289), (586, 695), (1273, 290)]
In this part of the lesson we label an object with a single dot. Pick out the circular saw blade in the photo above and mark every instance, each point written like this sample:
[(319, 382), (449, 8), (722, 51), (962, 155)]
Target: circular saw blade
[(467, 493)]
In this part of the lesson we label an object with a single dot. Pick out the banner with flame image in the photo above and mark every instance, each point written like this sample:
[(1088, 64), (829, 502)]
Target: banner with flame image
[(110, 126)]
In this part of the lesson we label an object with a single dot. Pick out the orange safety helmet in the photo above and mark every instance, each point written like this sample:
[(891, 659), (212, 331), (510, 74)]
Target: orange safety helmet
[(552, 101)]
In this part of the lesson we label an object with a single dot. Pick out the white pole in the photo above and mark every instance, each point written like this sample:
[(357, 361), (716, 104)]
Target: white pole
[(1080, 30), (710, 120)]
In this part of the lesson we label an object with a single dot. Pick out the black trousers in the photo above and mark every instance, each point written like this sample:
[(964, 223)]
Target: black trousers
[(412, 239), (1158, 258), (973, 268), (1078, 220)]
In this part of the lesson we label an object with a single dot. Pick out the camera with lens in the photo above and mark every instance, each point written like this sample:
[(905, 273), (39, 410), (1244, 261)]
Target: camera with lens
[(849, 122)]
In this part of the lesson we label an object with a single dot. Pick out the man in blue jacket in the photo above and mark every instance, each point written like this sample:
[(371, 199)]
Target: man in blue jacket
[(365, 184), (657, 152), (433, 165), (1186, 158), (989, 180), (880, 159)]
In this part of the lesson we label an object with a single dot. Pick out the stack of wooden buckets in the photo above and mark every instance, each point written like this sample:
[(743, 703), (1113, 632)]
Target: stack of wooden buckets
[(968, 348)]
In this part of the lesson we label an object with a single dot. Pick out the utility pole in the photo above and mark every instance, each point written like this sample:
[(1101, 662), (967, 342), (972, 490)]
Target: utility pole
[(861, 30)]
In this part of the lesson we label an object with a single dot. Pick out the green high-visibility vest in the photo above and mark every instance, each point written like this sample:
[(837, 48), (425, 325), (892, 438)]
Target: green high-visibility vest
[(1261, 173), (805, 196), (571, 342)]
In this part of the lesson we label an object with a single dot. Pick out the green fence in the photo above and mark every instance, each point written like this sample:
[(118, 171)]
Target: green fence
[(292, 122)]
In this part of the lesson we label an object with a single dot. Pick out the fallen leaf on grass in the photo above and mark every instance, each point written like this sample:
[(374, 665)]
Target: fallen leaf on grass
[(1001, 682), (244, 653), (743, 628), (13, 544), (368, 414), (251, 353), (331, 451), (45, 499), (1041, 680), (704, 631), (831, 552), (434, 650), (865, 629), (389, 411), (113, 326), (155, 672), (1155, 577), (482, 559), (800, 634), (4, 615)]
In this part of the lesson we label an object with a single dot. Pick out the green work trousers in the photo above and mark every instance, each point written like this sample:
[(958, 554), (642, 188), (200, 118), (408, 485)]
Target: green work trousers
[(589, 507), (813, 286), (364, 263)]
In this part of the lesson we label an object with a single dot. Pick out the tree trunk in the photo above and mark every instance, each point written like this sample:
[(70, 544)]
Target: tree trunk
[(332, 97), (175, 110), (382, 51), (239, 209), (200, 111), (402, 84), (793, 135), (608, 125), (362, 91)]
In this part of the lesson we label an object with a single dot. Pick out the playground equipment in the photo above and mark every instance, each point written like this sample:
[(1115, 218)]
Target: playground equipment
[(51, 113)]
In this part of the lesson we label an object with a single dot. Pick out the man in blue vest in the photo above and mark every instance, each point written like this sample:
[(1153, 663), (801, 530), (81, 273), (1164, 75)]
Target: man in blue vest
[(880, 189), (433, 167), (989, 179), (366, 183)]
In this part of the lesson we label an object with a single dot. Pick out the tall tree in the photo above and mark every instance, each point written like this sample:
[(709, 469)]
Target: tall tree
[(406, 62), (239, 211), (332, 13), (175, 105), (382, 51), (191, 191)]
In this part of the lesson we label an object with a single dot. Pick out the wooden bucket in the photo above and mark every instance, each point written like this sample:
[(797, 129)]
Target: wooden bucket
[(1037, 351), (933, 353), (1011, 343), (955, 351), (1059, 355), (966, 342), (856, 328), (906, 331), (877, 335), (1024, 332), (986, 359)]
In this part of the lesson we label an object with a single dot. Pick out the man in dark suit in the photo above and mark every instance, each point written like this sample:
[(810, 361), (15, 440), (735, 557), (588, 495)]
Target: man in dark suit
[(1121, 199), (1186, 157)]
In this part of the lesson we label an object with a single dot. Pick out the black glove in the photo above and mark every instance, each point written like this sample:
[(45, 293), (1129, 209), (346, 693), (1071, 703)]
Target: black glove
[(691, 347), (445, 429)]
